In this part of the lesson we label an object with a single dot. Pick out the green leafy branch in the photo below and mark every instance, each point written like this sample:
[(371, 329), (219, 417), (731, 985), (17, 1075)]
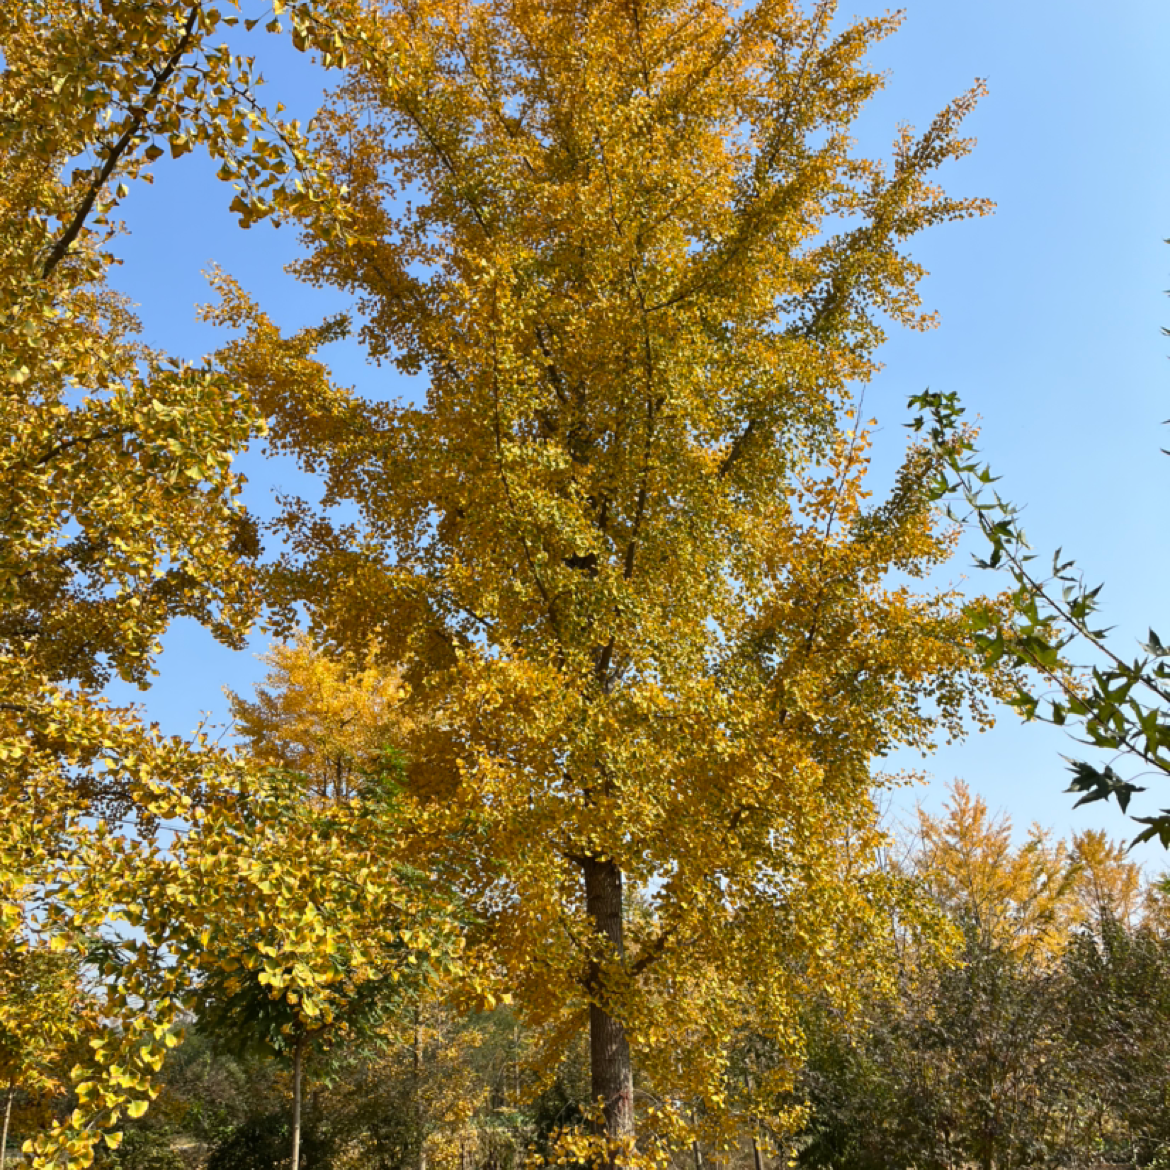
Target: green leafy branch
[(1121, 705)]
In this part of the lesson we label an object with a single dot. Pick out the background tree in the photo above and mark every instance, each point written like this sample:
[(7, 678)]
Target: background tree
[(336, 726), (1007, 1052), (333, 723), (1022, 899), (1117, 1052)]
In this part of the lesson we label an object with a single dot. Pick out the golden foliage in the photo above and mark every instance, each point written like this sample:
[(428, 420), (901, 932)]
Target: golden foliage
[(1025, 898), (45, 1019), (639, 627), (320, 717), (118, 505), (623, 553)]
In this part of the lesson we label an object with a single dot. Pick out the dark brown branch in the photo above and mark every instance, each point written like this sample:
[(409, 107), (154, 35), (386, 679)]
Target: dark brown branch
[(652, 405), (78, 441), (121, 147), (448, 162), (499, 444), (652, 953)]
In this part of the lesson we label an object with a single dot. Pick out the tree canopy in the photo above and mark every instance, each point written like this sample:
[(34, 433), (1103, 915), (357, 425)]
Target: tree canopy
[(622, 554)]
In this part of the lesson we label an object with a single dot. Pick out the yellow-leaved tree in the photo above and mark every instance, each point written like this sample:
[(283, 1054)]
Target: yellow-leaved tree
[(1025, 899), (294, 926), (1018, 898), (118, 504), (334, 722), (623, 554), (48, 1018), (303, 923), (268, 892)]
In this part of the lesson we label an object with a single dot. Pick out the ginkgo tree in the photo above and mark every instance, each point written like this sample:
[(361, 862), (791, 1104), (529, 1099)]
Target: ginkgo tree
[(293, 908), (334, 722), (258, 902), (119, 509), (1021, 900), (295, 931), (623, 553), (46, 1019)]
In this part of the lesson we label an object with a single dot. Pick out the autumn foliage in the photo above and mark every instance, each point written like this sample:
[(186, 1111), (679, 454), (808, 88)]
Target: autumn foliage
[(623, 551), (589, 689)]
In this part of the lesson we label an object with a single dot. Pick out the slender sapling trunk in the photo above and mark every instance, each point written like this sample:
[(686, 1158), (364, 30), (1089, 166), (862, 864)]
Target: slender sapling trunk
[(298, 1069), (7, 1119)]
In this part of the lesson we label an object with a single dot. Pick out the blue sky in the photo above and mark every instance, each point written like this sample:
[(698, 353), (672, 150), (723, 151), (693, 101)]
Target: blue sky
[(1051, 315)]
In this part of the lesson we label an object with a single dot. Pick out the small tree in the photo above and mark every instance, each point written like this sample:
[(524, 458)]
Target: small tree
[(294, 927), (45, 1018), (331, 720), (303, 923)]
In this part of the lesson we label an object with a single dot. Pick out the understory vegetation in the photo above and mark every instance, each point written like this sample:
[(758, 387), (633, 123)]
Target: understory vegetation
[(1031, 1029)]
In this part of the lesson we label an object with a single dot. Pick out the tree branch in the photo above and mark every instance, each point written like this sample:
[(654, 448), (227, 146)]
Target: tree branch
[(121, 147)]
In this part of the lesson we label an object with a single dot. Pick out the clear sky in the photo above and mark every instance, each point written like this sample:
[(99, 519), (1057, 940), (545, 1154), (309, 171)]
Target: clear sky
[(1051, 316)]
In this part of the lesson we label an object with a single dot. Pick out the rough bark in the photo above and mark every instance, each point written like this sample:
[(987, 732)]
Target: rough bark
[(611, 1075)]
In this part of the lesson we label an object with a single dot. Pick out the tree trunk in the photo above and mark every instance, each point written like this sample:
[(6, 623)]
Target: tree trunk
[(416, 1089), (698, 1152), (611, 1076), (758, 1156), (7, 1118), (298, 1069)]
